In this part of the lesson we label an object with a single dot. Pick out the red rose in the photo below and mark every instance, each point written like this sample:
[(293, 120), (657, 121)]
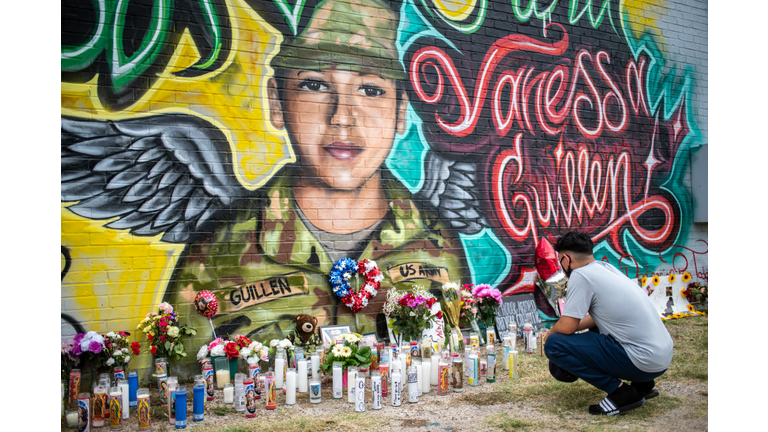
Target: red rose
[(230, 349), (439, 315), (150, 337), (153, 349), (162, 338), (136, 347)]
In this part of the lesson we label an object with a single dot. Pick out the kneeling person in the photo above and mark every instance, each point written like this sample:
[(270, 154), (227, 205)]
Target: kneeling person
[(630, 342)]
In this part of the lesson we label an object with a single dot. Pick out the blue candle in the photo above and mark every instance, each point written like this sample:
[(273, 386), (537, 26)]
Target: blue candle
[(198, 405), (181, 407), (133, 385)]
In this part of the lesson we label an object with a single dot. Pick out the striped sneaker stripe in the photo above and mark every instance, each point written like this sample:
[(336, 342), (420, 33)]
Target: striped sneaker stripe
[(607, 406)]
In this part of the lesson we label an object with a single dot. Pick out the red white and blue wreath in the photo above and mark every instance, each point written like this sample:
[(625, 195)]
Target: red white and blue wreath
[(343, 270)]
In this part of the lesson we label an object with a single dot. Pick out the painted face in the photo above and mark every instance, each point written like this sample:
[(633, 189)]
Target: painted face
[(341, 123)]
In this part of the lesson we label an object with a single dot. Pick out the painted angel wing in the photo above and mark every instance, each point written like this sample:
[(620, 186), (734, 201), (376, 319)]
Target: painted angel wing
[(161, 174), (450, 188)]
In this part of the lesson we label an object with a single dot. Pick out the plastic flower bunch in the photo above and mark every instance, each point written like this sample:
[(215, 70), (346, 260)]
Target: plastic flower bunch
[(164, 333), (254, 352), (348, 352), (488, 299), (116, 349)]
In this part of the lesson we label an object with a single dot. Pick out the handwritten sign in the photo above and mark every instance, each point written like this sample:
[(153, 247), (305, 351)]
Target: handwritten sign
[(517, 309)]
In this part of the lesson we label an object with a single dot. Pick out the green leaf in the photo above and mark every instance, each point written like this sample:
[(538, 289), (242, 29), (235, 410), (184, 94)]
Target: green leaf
[(167, 346)]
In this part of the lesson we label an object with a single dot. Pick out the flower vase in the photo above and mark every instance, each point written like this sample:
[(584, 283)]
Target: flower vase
[(476, 329)]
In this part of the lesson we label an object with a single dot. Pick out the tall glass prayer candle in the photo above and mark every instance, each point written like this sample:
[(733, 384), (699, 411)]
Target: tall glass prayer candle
[(406, 349), (133, 386), (142, 409), (290, 387), (416, 362), (413, 384), (162, 388), (376, 390), (374, 359), (118, 374), (491, 374), (180, 404), (253, 372), (359, 392), (415, 351), (384, 372), (321, 354), (206, 361), (74, 385), (458, 374), (474, 340), (337, 378), (279, 366), (490, 335), (404, 362), (444, 373), (393, 351), (84, 412), (397, 388), (530, 339), (315, 365), (250, 395), (426, 376), (198, 399), (513, 364), (240, 391), (351, 375), (513, 335), (314, 390), (505, 358), (473, 377), (115, 408), (99, 403), (229, 394), (455, 346), (209, 386), (483, 370), (161, 366), (125, 402), (301, 372), (271, 386), (467, 352), (434, 370), (173, 383), (426, 348)]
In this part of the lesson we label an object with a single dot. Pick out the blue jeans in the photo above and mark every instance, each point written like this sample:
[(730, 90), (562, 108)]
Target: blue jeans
[(597, 359)]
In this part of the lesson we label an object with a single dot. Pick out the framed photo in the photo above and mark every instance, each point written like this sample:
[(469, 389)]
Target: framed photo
[(369, 339), (329, 332)]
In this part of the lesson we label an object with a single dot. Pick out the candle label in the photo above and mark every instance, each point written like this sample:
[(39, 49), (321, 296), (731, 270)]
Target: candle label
[(254, 373), (491, 337), (209, 385), (483, 368), (74, 386), (249, 387), (172, 404), (384, 370), (83, 414), (491, 377), (443, 374), (161, 368), (374, 360), (314, 391), (458, 375), (118, 375), (116, 412), (99, 406), (271, 393), (143, 413), (376, 392), (162, 385), (396, 390), (360, 395), (413, 386)]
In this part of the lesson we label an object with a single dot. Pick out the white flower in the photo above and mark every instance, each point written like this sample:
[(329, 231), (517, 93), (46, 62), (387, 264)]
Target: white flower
[(451, 285), (252, 361), (345, 351), (273, 343), (255, 346), (127, 359), (285, 344), (218, 351), (110, 361), (264, 353), (117, 352), (111, 335), (173, 331), (203, 353), (245, 352), (351, 337), (336, 350)]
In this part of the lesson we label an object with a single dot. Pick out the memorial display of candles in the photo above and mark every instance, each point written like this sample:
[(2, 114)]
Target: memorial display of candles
[(142, 409)]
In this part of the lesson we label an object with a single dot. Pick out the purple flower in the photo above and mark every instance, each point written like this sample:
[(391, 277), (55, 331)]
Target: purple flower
[(78, 337), (76, 350), (94, 347)]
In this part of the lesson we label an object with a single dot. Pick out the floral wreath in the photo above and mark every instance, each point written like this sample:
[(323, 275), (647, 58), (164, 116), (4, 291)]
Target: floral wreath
[(343, 270)]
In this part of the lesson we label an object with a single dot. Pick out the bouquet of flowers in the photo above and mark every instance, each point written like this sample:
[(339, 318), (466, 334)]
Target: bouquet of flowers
[(164, 332), (69, 359), (411, 312), (488, 298), (223, 347), (254, 352), (349, 353), (696, 292), (468, 303), (116, 349)]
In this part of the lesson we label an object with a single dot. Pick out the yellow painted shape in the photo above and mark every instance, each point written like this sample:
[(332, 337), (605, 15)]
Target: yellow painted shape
[(643, 17), (455, 10)]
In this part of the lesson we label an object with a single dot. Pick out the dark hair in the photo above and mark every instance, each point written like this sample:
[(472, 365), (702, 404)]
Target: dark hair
[(575, 241)]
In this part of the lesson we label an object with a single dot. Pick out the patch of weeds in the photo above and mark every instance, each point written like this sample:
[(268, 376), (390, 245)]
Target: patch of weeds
[(507, 423), (690, 360), (222, 411)]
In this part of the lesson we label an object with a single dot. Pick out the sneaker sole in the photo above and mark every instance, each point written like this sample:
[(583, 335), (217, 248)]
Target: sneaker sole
[(651, 394)]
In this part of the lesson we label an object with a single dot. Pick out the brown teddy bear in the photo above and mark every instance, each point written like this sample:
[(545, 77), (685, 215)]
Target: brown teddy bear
[(305, 334)]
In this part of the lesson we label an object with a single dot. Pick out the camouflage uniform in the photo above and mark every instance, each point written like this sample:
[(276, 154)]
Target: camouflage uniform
[(265, 266)]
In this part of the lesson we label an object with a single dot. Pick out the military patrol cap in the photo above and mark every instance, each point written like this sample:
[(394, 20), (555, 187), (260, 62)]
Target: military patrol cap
[(353, 35)]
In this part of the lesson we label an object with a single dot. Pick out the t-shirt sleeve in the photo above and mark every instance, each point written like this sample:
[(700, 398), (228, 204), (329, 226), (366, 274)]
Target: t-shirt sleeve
[(578, 298)]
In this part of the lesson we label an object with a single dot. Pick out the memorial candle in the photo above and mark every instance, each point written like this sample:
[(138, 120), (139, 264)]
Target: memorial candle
[(458, 374), (376, 390), (351, 375), (115, 409), (99, 403), (301, 372), (198, 399), (491, 374), (337, 378), (359, 392), (74, 385), (290, 386), (314, 390), (71, 416), (279, 366), (142, 409), (271, 388), (83, 412), (180, 402), (133, 386), (474, 370), (419, 374), (125, 403), (434, 370), (397, 388), (222, 378), (173, 383), (249, 387), (513, 364), (403, 359), (315, 364), (426, 369), (384, 372), (229, 394), (413, 384), (209, 387), (444, 373)]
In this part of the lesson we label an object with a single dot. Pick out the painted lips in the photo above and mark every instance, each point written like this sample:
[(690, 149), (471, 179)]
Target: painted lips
[(343, 151)]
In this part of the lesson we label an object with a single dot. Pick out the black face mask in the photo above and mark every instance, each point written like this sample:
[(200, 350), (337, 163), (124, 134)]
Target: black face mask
[(568, 270)]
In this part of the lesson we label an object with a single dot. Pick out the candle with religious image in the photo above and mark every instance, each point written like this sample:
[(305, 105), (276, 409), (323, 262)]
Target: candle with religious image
[(271, 385), (173, 383), (444, 375), (142, 409), (118, 374), (100, 402), (83, 412), (250, 395), (458, 374), (491, 375), (314, 390), (209, 385), (115, 408), (384, 371), (376, 390)]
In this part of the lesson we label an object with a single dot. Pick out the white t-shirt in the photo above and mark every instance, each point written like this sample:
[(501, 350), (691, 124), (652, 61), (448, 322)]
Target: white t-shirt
[(623, 310)]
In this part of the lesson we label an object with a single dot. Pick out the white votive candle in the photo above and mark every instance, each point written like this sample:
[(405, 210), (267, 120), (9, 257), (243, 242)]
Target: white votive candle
[(222, 378), (337, 380), (290, 386), (279, 366), (351, 375), (229, 393), (315, 360), (426, 369), (433, 376), (124, 388)]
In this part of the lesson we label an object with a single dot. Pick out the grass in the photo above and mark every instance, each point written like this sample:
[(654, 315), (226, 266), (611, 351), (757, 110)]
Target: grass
[(337, 422)]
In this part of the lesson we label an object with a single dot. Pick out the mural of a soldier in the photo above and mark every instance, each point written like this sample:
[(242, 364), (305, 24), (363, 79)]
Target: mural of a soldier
[(338, 91)]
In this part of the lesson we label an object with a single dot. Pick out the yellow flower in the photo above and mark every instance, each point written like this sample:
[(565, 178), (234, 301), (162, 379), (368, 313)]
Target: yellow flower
[(656, 280), (690, 307), (682, 293), (663, 319), (643, 280), (671, 278), (686, 277)]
